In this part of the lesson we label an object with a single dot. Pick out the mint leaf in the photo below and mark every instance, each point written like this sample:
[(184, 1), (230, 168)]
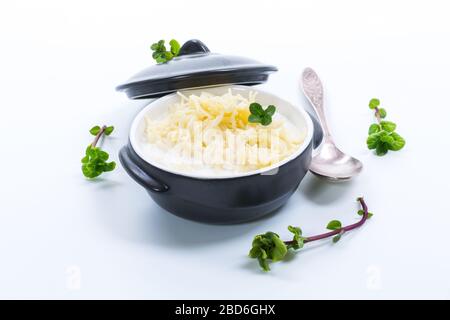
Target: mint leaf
[(90, 151), (266, 120), (161, 59), (95, 130), (374, 128), (254, 119), (109, 166), (361, 213), (278, 250), (398, 143), (336, 238), (161, 47), (382, 113), (109, 130), (263, 253), (388, 126), (372, 140), (263, 264), (102, 155), (156, 55), (373, 103), (174, 47), (387, 139), (255, 252), (259, 115), (168, 55), (88, 171), (298, 239), (296, 231), (381, 149), (270, 111), (256, 109), (334, 225)]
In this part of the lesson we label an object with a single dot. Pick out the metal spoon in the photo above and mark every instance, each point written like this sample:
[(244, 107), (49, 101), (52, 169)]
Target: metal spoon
[(329, 162)]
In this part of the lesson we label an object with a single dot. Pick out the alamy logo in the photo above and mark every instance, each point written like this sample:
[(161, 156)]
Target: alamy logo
[(373, 281), (73, 277)]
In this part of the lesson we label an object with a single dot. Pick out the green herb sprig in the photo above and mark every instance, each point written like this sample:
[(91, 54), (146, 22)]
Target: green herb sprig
[(161, 54), (269, 247), (94, 163), (382, 136), (259, 115)]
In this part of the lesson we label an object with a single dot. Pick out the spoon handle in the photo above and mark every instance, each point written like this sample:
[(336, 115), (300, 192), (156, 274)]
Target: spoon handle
[(312, 87)]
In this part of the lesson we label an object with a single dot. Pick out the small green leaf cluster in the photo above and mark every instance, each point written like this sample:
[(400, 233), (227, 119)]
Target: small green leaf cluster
[(269, 246), (161, 54), (259, 115), (382, 136), (94, 163)]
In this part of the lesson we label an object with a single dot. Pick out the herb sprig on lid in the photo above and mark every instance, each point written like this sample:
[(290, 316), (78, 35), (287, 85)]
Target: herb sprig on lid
[(161, 54)]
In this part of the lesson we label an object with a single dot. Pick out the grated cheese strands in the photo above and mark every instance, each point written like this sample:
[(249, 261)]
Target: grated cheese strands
[(211, 134)]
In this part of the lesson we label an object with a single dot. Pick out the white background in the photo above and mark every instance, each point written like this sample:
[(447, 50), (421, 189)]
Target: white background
[(64, 237)]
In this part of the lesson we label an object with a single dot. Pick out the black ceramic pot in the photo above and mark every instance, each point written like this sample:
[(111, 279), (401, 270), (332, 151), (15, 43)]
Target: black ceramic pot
[(223, 200)]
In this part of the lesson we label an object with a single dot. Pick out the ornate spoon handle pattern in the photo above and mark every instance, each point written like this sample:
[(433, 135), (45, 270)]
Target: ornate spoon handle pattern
[(313, 89)]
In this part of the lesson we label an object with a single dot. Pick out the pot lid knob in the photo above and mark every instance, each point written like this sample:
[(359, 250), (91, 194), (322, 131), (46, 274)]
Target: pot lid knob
[(193, 46)]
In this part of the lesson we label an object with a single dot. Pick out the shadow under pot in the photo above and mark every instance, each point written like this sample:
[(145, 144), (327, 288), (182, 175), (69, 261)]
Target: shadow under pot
[(234, 198)]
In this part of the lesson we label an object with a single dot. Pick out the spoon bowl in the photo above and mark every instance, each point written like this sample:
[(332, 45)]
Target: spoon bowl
[(332, 164)]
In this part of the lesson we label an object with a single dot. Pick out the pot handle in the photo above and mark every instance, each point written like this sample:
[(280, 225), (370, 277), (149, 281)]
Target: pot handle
[(138, 175), (318, 131)]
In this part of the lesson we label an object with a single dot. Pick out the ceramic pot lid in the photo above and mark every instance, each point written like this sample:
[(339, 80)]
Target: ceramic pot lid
[(194, 67)]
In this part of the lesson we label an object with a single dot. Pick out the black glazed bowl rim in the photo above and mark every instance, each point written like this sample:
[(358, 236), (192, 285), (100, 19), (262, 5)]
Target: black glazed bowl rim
[(133, 144)]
